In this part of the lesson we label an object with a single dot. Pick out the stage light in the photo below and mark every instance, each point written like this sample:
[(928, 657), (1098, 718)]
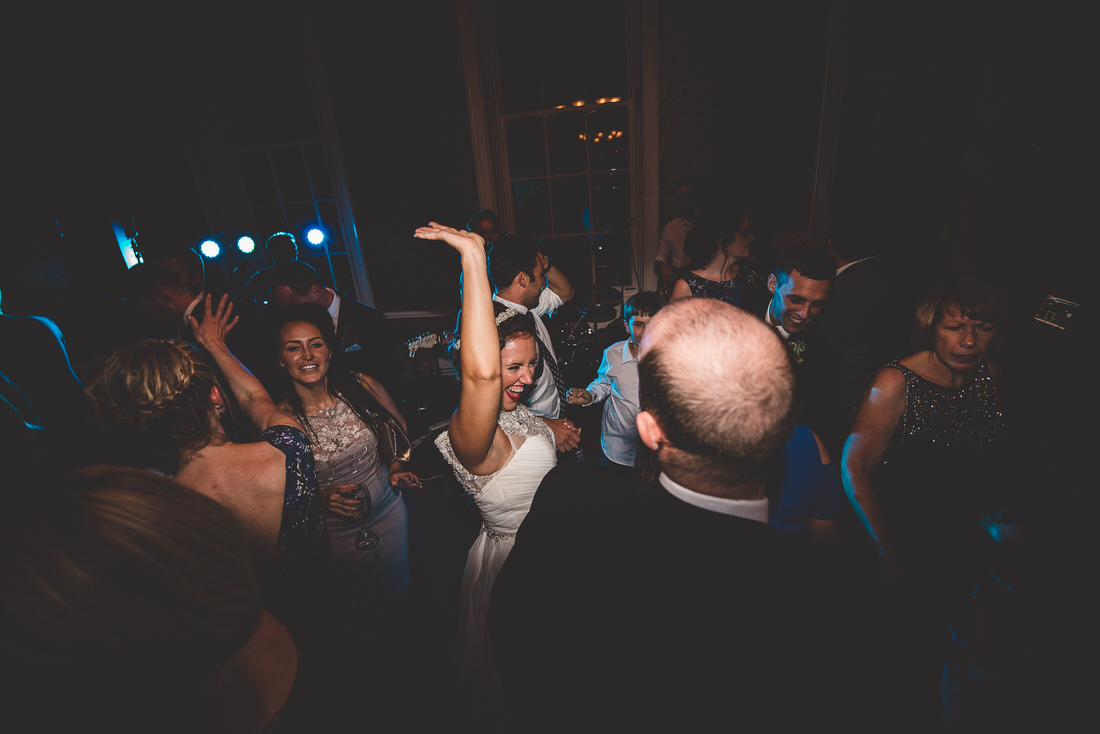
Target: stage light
[(246, 244), (315, 237), (210, 249)]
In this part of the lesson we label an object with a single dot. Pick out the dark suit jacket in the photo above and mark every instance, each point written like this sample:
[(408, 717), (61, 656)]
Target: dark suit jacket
[(866, 324), (815, 377), (367, 346), (622, 608)]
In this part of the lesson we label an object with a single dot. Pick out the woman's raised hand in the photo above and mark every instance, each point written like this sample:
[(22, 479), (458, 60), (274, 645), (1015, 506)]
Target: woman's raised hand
[(216, 323), (460, 240)]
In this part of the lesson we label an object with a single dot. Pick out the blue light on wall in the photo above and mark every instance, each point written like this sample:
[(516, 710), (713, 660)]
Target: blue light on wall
[(315, 237), (246, 244)]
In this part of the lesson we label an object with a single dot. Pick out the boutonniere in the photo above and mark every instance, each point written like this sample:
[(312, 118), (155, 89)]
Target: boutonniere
[(798, 348)]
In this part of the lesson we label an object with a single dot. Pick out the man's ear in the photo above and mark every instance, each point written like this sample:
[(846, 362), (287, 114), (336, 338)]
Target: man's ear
[(772, 283), (522, 279), (649, 430)]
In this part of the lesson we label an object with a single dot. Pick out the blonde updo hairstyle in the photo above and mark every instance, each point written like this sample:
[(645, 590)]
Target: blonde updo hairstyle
[(154, 398)]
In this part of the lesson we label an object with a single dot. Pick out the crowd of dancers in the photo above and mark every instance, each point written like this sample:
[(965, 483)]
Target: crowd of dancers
[(232, 551)]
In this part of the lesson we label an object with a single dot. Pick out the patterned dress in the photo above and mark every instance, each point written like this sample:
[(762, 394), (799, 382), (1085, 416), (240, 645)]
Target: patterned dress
[(376, 549), (720, 290)]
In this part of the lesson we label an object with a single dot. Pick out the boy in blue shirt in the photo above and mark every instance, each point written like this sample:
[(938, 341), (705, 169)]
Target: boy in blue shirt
[(617, 381)]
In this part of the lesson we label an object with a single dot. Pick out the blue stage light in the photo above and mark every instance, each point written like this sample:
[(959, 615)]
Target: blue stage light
[(315, 237), (246, 244), (210, 248)]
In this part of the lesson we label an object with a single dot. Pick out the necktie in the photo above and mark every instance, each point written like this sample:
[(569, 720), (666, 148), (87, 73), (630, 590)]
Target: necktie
[(555, 370)]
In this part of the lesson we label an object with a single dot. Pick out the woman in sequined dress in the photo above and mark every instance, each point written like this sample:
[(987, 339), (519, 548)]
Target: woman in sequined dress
[(359, 447), (926, 454), (499, 450), (163, 404)]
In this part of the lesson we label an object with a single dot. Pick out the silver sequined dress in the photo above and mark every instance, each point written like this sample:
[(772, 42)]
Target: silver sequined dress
[(346, 452), (503, 499)]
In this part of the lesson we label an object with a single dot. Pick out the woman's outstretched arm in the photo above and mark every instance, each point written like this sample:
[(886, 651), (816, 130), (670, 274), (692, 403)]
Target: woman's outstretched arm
[(875, 423), (473, 427), (251, 395)]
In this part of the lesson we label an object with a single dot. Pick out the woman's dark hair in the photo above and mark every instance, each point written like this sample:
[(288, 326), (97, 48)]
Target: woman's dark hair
[(343, 384), (516, 326), (710, 231)]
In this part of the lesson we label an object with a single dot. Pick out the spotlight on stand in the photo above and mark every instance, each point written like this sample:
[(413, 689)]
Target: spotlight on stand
[(315, 236), (210, 249), (246, 244)]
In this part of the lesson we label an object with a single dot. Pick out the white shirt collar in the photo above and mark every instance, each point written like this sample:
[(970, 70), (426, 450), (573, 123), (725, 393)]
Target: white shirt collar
[(192, 306), (748, 509), (515, 306), (778, 327), (334, 308), (845, 267)]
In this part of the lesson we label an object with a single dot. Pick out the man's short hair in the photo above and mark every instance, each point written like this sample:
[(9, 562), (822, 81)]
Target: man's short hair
[(719, 383), (190, 259), (300, 277), (642, 303), (810, 262), (144, 280), (479, 215), (511, 255), (280, 244)]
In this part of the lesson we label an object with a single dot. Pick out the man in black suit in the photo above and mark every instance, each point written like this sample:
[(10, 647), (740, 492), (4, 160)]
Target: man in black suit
[(800, 287), (360, 328), (628, 605), (870, 309)]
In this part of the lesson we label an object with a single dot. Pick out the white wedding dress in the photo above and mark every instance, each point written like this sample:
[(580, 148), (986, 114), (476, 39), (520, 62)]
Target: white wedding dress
[(503, 499)]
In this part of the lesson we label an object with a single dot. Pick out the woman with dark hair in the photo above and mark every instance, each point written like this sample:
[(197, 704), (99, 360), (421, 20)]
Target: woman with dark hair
[(499, 449), (926, 452), (359, 446), (719, 255), (131, 601)]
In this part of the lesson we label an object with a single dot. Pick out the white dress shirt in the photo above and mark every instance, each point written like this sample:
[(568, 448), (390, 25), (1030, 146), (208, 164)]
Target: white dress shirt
[(618, 382), (544, 401), (670, 248)]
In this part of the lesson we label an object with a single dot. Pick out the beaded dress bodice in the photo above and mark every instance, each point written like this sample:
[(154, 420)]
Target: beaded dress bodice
[(937, 417), (728, 291)]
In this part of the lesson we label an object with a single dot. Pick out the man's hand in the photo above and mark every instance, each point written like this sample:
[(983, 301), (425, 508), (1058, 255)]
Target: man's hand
[(579, 396), (566, 435)]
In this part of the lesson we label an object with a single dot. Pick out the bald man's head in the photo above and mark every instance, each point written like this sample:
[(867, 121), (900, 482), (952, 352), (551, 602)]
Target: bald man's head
[(718, 383)]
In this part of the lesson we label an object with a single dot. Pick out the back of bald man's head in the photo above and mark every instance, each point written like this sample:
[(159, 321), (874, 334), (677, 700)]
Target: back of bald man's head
[(719, 383)]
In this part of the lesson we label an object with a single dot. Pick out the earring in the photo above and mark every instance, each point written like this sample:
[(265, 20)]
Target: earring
[(219, 409)]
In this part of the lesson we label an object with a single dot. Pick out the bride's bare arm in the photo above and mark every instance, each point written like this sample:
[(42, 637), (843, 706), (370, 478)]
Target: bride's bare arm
[(474, 425)]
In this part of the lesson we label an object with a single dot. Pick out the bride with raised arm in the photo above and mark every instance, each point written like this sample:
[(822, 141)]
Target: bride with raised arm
[(499, 449)]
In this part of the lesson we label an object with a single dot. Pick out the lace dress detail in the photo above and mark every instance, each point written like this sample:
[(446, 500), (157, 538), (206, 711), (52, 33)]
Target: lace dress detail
[(302, 584), (519, 424), (503, 499), (346, 452)]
